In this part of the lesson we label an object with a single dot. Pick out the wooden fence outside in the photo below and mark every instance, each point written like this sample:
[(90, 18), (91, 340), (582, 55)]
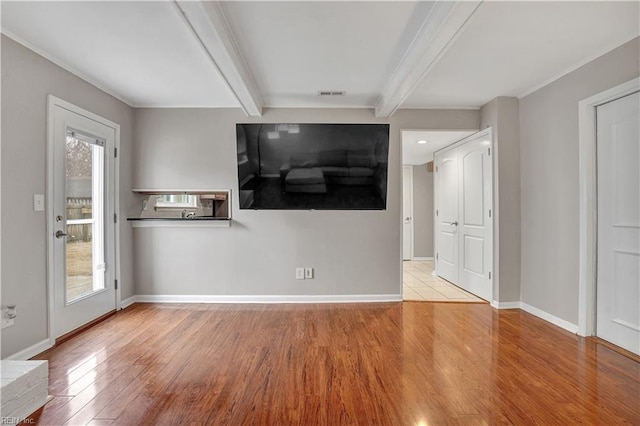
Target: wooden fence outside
[(79, 208)]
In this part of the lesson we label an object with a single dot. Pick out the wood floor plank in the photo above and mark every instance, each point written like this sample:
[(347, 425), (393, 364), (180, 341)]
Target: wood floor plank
[(369, 364)]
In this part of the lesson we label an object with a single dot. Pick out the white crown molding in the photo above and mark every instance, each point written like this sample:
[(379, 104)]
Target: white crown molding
[(209, 26), (440, 28), (569, 70), (338, 298), (67, 68)]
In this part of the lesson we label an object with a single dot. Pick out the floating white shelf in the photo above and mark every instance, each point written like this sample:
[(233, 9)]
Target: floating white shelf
[(183, 223)]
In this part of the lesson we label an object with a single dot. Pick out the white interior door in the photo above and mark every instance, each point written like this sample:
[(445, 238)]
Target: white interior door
[(407, 212), (475, 230), (81, 217), (464, 226), (618, 240), (447, 215)]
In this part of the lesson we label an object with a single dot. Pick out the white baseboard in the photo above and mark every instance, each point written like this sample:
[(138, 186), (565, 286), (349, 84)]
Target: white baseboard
[(128, 302), (31, 351), (506, 305), (346, 298), (422, 258), (570, 327)]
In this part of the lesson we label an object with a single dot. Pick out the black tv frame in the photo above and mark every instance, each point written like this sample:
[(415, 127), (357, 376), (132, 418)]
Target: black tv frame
[(312, 166)]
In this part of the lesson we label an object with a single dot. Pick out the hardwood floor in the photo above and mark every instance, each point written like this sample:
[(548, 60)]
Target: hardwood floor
[(371, 364)]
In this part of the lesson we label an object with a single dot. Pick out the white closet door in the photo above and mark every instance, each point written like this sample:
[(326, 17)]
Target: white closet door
[(464, 226), (447, 215), (475, 225), (618, 276)]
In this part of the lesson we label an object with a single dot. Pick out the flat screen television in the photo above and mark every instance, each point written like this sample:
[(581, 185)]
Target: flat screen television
[(313, 166)]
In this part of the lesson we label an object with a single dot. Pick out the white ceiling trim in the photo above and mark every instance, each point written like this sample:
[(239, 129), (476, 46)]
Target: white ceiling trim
[(568, 70), (439, 29), (466, 107), (67, 68), (209, 26)]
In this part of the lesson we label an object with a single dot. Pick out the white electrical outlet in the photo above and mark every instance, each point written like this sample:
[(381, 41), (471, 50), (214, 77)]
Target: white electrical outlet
[(299, 273), (308, 273)]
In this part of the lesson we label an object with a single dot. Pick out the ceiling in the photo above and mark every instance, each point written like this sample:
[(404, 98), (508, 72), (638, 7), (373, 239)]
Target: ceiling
[(414, 153), (510, 47), (385, 55), (139, 51)]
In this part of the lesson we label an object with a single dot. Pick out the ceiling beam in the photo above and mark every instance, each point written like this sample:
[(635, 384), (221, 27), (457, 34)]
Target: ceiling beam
[(440, 28), (208, 24)]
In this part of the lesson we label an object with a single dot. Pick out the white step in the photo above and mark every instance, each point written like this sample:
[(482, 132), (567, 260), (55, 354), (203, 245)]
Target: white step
[(24, 389)]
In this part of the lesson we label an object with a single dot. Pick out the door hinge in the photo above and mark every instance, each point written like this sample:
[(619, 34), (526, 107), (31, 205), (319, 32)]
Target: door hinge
[(115, 152), (436, 168), (115, 218), (116, 281), (436, 256), (489, 275), (436, 212), (489, 151), (489, 212)]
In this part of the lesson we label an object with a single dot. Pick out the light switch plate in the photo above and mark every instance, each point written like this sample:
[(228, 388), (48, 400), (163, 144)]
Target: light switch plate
[(299, 273), (38, 202)]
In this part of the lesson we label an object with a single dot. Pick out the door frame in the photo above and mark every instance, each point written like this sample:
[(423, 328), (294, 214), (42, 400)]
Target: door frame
[(412, 237), (52, 103), (588, 203), (495, 283)]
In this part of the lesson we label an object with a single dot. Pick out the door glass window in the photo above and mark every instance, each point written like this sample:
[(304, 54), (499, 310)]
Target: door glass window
[(84, 176)]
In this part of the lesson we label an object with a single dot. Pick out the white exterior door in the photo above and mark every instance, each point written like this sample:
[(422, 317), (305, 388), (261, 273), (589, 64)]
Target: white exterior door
[(464, 198), (475, 230), (447, 215), (407, 212), (80, 217), (618, 241)]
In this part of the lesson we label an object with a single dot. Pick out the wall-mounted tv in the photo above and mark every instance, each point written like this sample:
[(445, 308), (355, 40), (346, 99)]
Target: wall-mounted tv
[(313, 166)]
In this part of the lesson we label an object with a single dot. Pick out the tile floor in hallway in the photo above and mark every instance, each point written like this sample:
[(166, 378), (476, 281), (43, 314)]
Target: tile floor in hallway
[(418, 283)]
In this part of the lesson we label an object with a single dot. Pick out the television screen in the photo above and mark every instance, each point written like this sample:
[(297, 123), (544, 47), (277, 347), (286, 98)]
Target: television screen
[(313, 166)]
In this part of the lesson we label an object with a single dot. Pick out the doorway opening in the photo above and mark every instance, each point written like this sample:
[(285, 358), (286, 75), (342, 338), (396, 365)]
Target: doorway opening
[(419, 281)]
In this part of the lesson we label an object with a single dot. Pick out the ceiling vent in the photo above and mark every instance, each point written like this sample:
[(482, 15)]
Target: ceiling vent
[(331, 93)]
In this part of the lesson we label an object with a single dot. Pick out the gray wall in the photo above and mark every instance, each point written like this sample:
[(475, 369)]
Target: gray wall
[(549, 164), (354, 252), (502, 114), (422, 211), (27, 78)]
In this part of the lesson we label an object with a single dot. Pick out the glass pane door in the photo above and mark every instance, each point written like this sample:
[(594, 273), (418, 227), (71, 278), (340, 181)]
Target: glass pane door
[(84, 189)]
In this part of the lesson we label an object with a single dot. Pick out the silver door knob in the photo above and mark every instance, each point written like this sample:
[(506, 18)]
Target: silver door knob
[(455, 223), (60, 234), (407, 218)]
